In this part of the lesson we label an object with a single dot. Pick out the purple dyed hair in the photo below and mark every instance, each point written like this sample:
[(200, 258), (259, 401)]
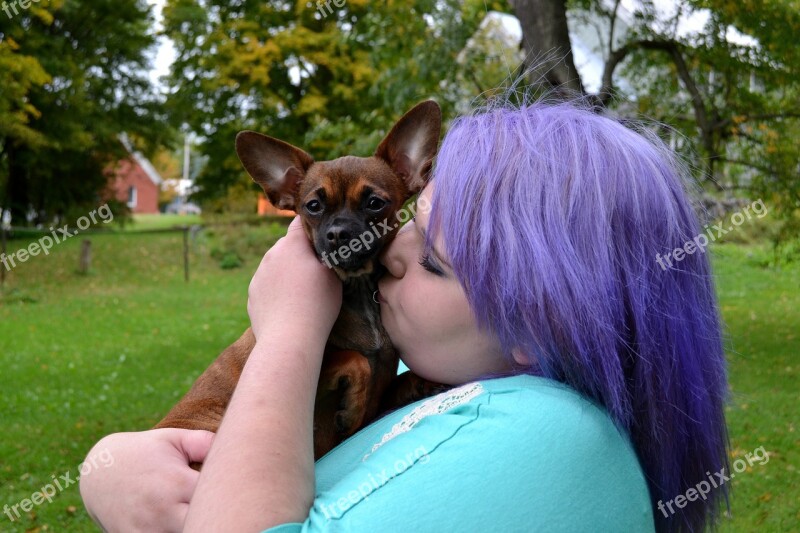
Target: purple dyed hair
[(557, 217)]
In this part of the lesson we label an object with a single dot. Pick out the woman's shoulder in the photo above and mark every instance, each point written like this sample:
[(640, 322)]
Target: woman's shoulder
[(542, 404), (526, 412), (563, 434), (492, 442)]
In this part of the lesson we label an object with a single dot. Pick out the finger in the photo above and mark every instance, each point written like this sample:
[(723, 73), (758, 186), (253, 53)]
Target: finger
[(295, 227), (181, 498), (186, 482), (176, 518), (296, 230), (195, 444), (296, 223)]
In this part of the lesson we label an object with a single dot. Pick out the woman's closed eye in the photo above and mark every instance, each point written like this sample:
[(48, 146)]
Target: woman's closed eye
[(428, 264)]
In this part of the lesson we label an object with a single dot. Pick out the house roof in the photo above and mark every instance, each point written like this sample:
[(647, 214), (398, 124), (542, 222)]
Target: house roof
[(141, 160)]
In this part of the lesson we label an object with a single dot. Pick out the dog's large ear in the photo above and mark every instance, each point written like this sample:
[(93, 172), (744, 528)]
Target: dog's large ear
[(411, 145), (277, 166)]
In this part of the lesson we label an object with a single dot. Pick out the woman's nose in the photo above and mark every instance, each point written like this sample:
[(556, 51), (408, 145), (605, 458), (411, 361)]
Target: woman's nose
[(393, 257)]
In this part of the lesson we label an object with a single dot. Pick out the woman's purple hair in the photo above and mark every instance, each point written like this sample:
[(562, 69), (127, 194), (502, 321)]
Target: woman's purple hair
[(556, 218)]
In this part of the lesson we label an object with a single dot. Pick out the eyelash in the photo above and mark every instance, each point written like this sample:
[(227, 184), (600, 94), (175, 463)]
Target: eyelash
[(425, 262)]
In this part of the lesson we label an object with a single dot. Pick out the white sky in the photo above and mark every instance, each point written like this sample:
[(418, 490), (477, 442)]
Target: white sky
[(165, 52)]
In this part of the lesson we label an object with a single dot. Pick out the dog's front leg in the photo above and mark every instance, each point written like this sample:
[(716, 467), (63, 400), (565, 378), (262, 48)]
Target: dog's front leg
[(342, 401)]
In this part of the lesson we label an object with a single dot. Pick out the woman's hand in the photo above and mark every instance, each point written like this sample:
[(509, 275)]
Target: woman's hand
[(144, 482), (294, 289)]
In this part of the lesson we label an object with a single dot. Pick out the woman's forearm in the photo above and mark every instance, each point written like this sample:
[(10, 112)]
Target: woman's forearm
[(260, 470)]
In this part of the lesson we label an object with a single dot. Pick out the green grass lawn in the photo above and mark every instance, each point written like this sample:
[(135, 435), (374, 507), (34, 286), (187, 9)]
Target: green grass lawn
[(161, 221), (84, 356), (761, 309)]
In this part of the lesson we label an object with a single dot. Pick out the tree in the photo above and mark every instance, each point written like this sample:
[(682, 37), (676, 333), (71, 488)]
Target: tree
[(738, 78), (76, 78), (545, 37)]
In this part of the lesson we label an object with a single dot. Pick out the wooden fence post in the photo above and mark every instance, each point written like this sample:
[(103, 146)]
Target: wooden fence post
[(186, 253), (2, 253), (86, 257)]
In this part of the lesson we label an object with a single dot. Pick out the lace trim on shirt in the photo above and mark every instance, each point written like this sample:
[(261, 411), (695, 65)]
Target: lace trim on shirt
[(434, 406)]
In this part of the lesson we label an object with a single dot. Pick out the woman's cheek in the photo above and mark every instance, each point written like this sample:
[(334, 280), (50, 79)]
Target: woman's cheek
[(420, 308)]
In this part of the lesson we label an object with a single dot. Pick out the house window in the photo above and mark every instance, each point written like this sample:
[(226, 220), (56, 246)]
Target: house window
[(132, 197)]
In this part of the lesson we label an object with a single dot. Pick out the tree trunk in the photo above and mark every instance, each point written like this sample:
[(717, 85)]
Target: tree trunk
[(17, 197), (86, 257), (545, 37)]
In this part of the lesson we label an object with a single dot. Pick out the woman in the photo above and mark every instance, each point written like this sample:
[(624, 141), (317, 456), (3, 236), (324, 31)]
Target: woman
[(591, 380)]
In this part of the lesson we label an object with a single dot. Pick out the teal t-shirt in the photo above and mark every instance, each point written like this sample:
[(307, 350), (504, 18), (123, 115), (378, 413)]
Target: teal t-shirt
[(519, 453)]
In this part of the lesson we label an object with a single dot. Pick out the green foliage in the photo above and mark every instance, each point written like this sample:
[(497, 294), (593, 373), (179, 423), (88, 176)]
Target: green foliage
[(74, 76), (229, 261), (234, 245), (730, 90), (786, 247), (331, 84), (239, 200), (18, 75)]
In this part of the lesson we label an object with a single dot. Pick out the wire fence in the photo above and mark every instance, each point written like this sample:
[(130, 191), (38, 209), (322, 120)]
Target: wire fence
[(48, 237), (9, 232)]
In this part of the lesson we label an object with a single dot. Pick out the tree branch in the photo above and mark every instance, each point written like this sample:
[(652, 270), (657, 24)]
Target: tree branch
[(674, 50), (749, 164), (613, 23)]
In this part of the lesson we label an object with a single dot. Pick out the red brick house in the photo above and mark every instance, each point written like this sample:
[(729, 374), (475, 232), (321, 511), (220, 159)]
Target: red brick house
[(136, 182)]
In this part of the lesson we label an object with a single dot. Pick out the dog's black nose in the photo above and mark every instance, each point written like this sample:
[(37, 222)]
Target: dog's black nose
[(338, 235)]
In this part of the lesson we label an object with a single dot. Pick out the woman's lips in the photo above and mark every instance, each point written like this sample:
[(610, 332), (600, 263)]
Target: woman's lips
[(381, 299), (379, 294)]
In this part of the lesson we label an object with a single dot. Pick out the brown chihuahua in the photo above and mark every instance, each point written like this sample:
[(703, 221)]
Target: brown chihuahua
[(348, 208)]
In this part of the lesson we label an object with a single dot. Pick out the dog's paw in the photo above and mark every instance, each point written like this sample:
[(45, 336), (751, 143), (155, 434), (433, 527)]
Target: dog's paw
[(343, 394), (341, 391), (341, 423), (350, 412)]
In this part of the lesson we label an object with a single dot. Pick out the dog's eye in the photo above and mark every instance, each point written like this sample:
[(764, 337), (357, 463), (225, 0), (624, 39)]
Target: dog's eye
[(375, 204), (314, 207)]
